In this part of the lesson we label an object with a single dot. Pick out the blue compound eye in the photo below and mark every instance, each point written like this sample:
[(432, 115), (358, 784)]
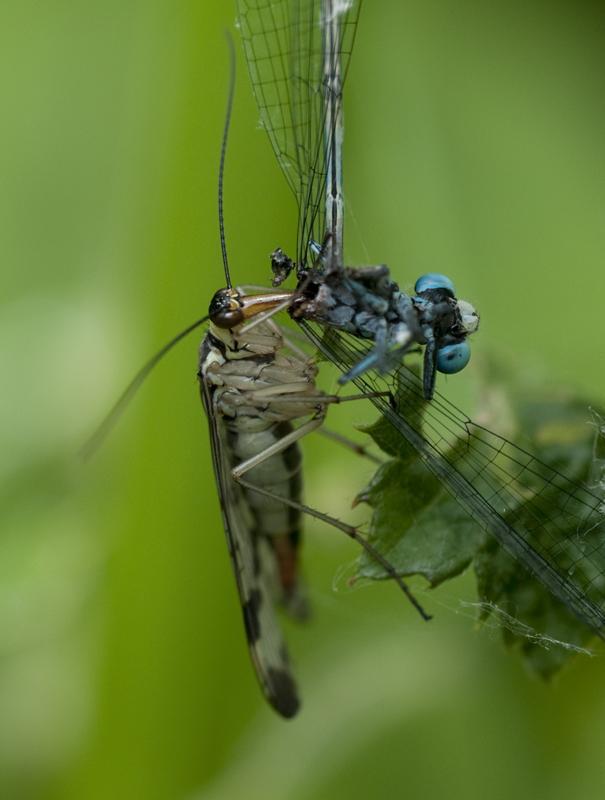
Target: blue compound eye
[(433, 280), (453, 357)]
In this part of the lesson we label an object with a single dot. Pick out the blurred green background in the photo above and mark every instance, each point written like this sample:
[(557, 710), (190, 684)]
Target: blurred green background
[(475, 146)]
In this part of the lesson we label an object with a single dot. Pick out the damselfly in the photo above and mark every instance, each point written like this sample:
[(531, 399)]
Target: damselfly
[(298, 55)]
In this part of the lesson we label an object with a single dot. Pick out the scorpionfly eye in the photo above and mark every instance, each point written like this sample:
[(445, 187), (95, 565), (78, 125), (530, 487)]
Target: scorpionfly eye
[(225, 310)]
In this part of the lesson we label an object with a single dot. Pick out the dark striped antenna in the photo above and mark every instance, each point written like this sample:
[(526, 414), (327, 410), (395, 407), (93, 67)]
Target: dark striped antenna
[(221, 170), (107, 425)]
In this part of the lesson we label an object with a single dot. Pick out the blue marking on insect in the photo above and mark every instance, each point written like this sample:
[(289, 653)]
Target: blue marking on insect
[(453, 357), (315, 248), (434, 280), (371, 360)]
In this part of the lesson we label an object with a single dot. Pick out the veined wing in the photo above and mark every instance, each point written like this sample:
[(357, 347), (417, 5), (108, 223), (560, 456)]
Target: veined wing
[(554, 526), (298, 98), (251, 559)]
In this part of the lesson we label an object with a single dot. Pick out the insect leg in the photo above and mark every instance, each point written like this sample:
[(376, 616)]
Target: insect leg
[(349, 530), (277, 447), (358, 449), (246, 288), (292, 395)]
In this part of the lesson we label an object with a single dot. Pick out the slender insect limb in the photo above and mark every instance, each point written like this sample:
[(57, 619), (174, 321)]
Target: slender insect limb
[(253, 287), (349, 530), (428, 371), (374, 359), (277, 447), (336, 398), (295, 388), (358, 449), (319, 399)]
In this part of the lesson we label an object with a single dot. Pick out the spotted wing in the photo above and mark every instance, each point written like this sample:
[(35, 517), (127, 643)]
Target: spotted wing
[(253, 566), (285, 42), (552, 525)]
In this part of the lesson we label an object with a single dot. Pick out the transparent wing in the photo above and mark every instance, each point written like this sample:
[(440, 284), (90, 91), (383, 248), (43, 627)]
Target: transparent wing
[(285, 43), (553, 526), (251, 558)]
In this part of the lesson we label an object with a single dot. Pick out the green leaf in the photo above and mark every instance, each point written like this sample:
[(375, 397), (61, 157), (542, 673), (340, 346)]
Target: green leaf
[(421, 530), (416, 525)]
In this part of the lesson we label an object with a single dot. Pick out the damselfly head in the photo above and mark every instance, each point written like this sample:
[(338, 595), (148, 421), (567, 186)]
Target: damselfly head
[(435, 282), (450, 319)]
